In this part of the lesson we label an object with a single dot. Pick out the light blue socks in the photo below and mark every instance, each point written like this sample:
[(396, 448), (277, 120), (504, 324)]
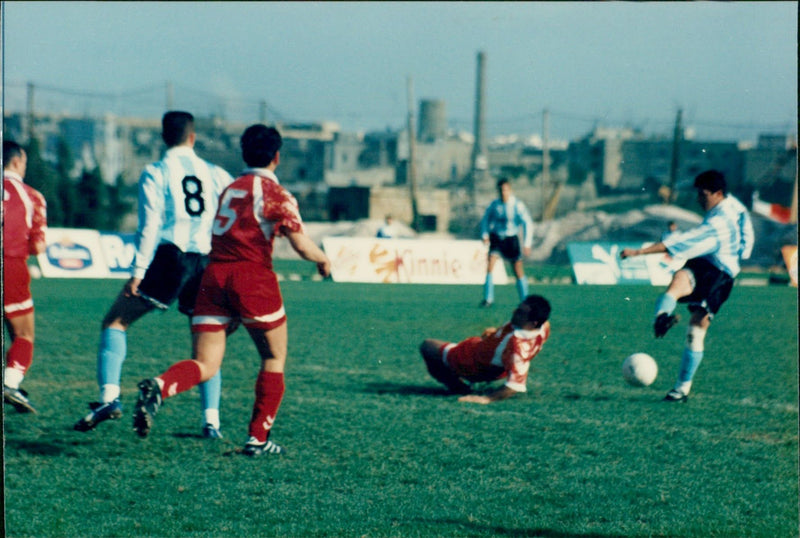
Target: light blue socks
[(110, 356), (666, 303), (211, 392), (522, 288), (488, 289)]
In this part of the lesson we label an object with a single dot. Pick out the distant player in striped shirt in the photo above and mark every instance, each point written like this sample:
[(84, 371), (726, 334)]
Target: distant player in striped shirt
[(178, 197), (240, 283), (503, 352), (24, 223), (714, 250), (504, 221)]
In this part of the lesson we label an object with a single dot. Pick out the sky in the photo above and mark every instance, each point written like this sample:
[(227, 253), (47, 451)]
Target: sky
[(731, 67)]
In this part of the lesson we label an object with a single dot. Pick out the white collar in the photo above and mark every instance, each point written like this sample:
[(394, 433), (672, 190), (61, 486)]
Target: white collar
[(13, 175), (264, 172), (180, 150)]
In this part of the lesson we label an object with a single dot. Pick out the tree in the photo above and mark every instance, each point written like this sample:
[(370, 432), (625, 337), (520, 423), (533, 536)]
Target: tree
[(66, 186), (42, 177), (118, 203), (91, 204)]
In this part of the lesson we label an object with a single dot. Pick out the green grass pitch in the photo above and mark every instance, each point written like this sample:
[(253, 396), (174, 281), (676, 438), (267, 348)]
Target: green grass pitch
[(376, 448)]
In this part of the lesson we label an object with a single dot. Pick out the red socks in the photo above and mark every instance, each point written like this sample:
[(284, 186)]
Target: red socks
[(179, 377), (269, 393), (20, 355)]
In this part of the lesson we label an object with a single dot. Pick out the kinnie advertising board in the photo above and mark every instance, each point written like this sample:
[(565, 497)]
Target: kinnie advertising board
[(599, 263), (81, 253), (409, 261)]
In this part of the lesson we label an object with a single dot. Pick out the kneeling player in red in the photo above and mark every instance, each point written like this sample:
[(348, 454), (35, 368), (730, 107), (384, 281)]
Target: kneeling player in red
[(497, 353), (239, 283)]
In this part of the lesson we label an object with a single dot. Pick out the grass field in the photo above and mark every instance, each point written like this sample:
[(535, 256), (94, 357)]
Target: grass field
[(376, 448)]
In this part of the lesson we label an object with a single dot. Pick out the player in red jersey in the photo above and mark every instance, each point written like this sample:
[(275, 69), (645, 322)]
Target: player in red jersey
[(497, 353), (24, 223), (239, 283)]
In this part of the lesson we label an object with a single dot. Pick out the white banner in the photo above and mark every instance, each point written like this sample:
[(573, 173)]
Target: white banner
[(410, 261), (73, 253), (82, 253)]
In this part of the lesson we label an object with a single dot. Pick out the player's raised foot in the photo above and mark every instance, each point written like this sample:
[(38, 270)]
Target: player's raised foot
[(211, 432), (664, 322), (99, 412), (676, 396), (147, 405), (486, 304), (254, 448), (19, 399)]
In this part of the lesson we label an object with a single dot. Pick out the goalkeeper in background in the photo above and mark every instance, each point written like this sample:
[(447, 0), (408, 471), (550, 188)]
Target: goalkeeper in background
[(497, 353)]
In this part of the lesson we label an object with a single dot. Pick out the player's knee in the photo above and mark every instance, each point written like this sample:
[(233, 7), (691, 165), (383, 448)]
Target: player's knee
[(695, 336)]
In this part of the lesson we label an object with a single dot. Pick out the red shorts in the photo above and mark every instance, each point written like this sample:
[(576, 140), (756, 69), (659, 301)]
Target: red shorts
[(245, 290), (472, 360), (17, 299)]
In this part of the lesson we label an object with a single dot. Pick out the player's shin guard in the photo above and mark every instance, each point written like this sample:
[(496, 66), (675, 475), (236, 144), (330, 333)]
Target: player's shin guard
[(691, 358), (18, 359), (110, 356), (269, 393), (666, 303), (210, 395), (522, 288), (180, 377), (488, 288)]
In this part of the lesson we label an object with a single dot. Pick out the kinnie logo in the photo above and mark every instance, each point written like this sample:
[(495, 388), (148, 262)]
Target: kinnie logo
[(68, 255)]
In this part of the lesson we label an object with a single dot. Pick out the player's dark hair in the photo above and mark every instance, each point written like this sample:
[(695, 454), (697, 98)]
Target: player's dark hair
[(712, 181), (539, 309), (259, 145), (10, 150), (176, 126), (502, 181)]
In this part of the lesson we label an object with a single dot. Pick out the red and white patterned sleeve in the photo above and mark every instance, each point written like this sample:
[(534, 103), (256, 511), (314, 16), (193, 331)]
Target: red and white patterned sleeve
[(282, 210), (36, 239)]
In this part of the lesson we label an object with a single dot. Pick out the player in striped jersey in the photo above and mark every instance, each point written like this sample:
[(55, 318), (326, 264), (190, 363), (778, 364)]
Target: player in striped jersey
[(714, 250), (240, 283), (502, 223), (178, 197), (497, 353), (24, 223)]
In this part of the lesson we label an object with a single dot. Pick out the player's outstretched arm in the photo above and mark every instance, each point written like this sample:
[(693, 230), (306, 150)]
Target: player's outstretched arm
[(308, 250), (652, 249), (500, 394)]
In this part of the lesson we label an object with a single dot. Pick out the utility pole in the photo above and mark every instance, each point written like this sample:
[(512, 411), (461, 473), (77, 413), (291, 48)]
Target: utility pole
[(30, 112), (480, 159), (262, 111), (545, 157), (411, 170), (170, 96), (677, 138)]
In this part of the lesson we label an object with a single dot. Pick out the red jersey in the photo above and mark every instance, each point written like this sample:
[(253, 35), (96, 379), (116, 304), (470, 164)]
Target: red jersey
[(505, 352), (253, 210), (24, 217)]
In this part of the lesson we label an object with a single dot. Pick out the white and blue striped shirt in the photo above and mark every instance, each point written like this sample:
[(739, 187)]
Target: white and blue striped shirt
[(724, 237), (178, 198), (506, 220)]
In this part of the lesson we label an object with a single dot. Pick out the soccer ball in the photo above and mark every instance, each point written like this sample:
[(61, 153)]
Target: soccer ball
[(639, 369)]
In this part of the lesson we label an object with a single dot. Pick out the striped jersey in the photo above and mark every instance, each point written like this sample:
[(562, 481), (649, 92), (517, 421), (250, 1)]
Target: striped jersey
[(24, 217), (178, 197), (507, 220), (253, 210), (508, 351), (723, 238)]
